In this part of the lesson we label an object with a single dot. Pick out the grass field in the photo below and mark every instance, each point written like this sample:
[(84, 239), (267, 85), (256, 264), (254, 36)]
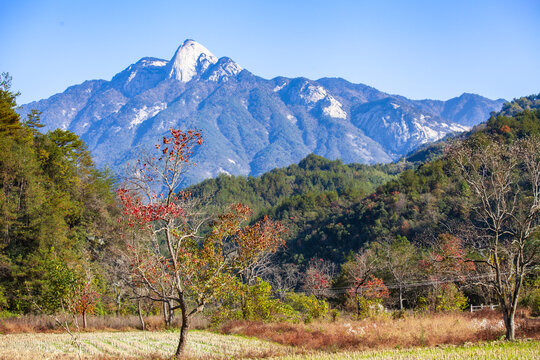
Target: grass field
[(494, 350), (136, 344), (208, 345)]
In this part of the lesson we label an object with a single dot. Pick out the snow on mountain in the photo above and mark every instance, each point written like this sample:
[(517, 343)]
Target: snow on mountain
[(334, 109), (250, 124), (223, 70), (400, 126), (312, 94), (145, 113), (190, 59)]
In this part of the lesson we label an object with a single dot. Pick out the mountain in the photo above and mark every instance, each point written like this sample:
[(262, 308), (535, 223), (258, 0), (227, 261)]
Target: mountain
[(250, 124)]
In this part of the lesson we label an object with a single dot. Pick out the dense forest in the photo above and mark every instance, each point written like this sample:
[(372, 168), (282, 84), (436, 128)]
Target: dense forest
[(57, 212), (61, 235), (331, 209)]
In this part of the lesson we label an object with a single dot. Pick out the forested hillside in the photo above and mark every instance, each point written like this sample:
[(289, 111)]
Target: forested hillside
[(56, 212), (332, 209)]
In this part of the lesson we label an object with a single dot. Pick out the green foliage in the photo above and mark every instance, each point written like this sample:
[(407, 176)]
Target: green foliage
[(254, 303), (300, 196), (58, 285), (445, 297), (9, 119), (308, 305), (365, 308), (51, 197), (522, 124), (258, 304), (531, 297), (335, 314), (521, 104)]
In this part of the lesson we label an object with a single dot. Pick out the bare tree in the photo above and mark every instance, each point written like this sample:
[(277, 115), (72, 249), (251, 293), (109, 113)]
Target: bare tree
[(284, 278), (398, 256), (504, 182), (359, 271), (318, 277)]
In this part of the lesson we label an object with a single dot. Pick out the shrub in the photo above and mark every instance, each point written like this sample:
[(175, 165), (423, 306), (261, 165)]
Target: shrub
[(446, 297), (310, 306), (366, 308), (531, 298), (399, 314), (254, 303), (334, 314), (366, 297)]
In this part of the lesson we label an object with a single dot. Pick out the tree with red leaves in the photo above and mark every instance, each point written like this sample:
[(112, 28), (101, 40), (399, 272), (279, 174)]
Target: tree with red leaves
[(84, 300), (448, 267), (169, 258), (318, 277), (364, 289), (447, 260), (367, 292)]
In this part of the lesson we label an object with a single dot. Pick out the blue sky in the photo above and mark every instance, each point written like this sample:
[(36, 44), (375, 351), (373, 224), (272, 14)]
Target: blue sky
[(419, 49)]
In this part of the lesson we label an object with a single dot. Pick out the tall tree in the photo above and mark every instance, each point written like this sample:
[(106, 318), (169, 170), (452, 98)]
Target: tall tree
[(170, 259), (504, 181), (399, 257)]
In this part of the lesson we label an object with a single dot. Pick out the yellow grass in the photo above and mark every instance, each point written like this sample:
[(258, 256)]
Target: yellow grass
[(385, 333), (426, 337), (132, 344), (207, 345)]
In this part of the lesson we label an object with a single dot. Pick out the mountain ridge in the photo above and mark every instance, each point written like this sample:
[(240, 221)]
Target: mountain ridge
[(250, 124)]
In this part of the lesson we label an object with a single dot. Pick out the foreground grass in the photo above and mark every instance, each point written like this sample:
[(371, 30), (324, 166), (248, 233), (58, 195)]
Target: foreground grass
[(208, 345), (430, 336), (135, 344), (428, 330), (492, 350)]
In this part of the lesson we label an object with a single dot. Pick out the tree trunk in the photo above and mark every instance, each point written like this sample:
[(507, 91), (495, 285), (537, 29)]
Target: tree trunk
[(183, 330), (171, 313), (118, 304), (400, 297), (166, 317), (84, 319), (141, 319), (510, 325)]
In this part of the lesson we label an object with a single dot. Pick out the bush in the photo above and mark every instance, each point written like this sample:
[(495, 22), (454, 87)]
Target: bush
[(310, 306), (399, 314), (366, 308), (253, 303), (531, 298), (446, 297), (334, 314)]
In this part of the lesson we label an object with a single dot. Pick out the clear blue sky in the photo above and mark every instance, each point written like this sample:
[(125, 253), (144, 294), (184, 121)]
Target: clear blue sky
[(419, 49)]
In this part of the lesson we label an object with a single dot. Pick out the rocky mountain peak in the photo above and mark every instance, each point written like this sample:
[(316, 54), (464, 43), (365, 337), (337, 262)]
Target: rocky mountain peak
[(191, 59)]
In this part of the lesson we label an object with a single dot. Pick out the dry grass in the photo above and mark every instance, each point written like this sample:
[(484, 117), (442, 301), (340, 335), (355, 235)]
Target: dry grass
[(44, 323), (36, 338), (426, 330), (135, 345)]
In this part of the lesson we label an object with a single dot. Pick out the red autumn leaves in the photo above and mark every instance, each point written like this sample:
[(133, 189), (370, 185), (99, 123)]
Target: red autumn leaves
[(180, 145), (143, 215)]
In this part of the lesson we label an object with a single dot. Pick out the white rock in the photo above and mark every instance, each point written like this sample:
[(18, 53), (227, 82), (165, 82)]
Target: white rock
[(190, 59), (146, 113), (335, 109)]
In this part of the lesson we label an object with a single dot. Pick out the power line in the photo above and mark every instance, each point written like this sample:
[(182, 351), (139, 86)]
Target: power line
[(341, 290)]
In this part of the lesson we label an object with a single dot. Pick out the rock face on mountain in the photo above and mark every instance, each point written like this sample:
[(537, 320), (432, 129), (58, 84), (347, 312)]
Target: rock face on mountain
[(250, 125)]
